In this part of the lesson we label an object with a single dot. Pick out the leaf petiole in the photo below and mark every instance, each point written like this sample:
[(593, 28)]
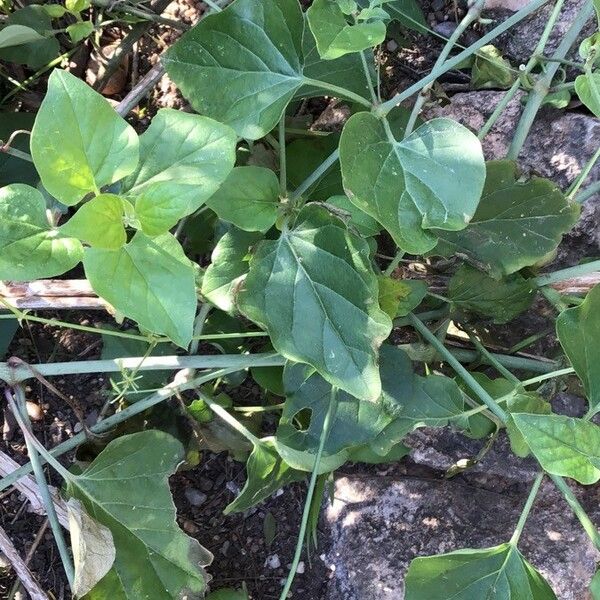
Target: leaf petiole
[(514, 540)]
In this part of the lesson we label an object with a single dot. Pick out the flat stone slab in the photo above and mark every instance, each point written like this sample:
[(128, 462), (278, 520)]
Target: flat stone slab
[(378, 524)]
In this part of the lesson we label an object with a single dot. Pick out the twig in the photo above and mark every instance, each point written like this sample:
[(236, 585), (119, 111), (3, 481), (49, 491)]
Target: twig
[(141, 89), (21, 569)]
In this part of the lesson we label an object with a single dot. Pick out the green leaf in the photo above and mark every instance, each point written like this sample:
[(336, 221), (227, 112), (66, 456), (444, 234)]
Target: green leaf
[(126, 489), (56, 11), (587, 87), (595, 583), (80, 30), (184, 158), (517, 223), (150, 281), (491, 70), (502, 300), (267, 472), (78, 142), (431, 180), (229, 264), (563, 445), (14, 35), (248, 198), (36, 53), (228, 594), (29, 247), (98, 222), (304, 156), (346, 71), (498, 573), (523, 402), (364, 224), (314, 291), (243, 65), (13, 169), (398, 297), (409, 13), (335, 37), (578, 331)]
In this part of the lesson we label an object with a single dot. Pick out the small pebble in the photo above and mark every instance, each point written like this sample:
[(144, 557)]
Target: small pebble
[(300, 568), (195, 497), (273, 561), (392, 46)]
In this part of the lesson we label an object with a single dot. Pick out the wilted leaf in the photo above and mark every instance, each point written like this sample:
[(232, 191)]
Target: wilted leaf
[(398, 297), (491, 69), (314, 291), (429, 181)]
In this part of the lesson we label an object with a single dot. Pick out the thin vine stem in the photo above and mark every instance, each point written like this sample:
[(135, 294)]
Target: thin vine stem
[(316, 174), (589, 191), (118, 418), (491, 358), (572, 191), (337, 91), (19, 411), (365, 66), (329, 418), (546, 376), (394, 263), (535, 488), (282, 159), (569, 273)]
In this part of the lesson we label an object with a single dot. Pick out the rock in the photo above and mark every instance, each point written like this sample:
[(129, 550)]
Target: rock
[(195, 497), (512, 5), (273, 561), (378, 525), (558, 147), (520, 41)]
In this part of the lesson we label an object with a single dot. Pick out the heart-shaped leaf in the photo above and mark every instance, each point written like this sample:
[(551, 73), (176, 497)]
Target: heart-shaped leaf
[(184, 158), (243, 65), (126, 489), (148, 280), (314, 291), (517, 223), (79, 143), (588, 89), (563, 445), (578, 332), (498, 573), (431, 180), (29, 247)]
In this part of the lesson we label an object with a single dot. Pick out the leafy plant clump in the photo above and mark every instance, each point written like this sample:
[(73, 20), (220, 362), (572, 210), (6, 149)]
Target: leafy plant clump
[(299, 290)]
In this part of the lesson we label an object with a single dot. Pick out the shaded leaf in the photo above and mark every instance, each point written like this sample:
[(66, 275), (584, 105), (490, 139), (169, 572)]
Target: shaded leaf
[(502, 300), (398, 297), (78, 142), (266, 473), (587, 87), (13, 169), (248, 198), (14, 35), (431, 180), (184, 158), (366, 225), (229, 264), (228, 594), (314, 291), (92, 546), (563, 445), (491, 70), (29, 247), (150, 281), (498, 573), (517, 223), (243, 65), (407, 12), (334, 36), (578, 331), (126, 489), (98, 222)]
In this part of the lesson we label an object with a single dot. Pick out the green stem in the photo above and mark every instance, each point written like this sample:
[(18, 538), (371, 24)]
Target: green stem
[(589, 191), (282, 159), (514, 540), (110, 422), (572, 191), (20, 414), (199, 326), (531, 63), (569, 273), (579, 511), (152, 363), (337, 91), (329, 417), (213, 5), (542, 86), (315, 175), (228, 418), (545, 376), (560, 61), (16, 153), (363, 60), (459, 58), (142, 14), (394, 264), (490, 357), (464, 374), (472, 15)]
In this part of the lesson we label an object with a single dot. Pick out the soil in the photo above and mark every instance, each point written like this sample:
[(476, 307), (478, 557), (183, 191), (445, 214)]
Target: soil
[(246, 547)]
